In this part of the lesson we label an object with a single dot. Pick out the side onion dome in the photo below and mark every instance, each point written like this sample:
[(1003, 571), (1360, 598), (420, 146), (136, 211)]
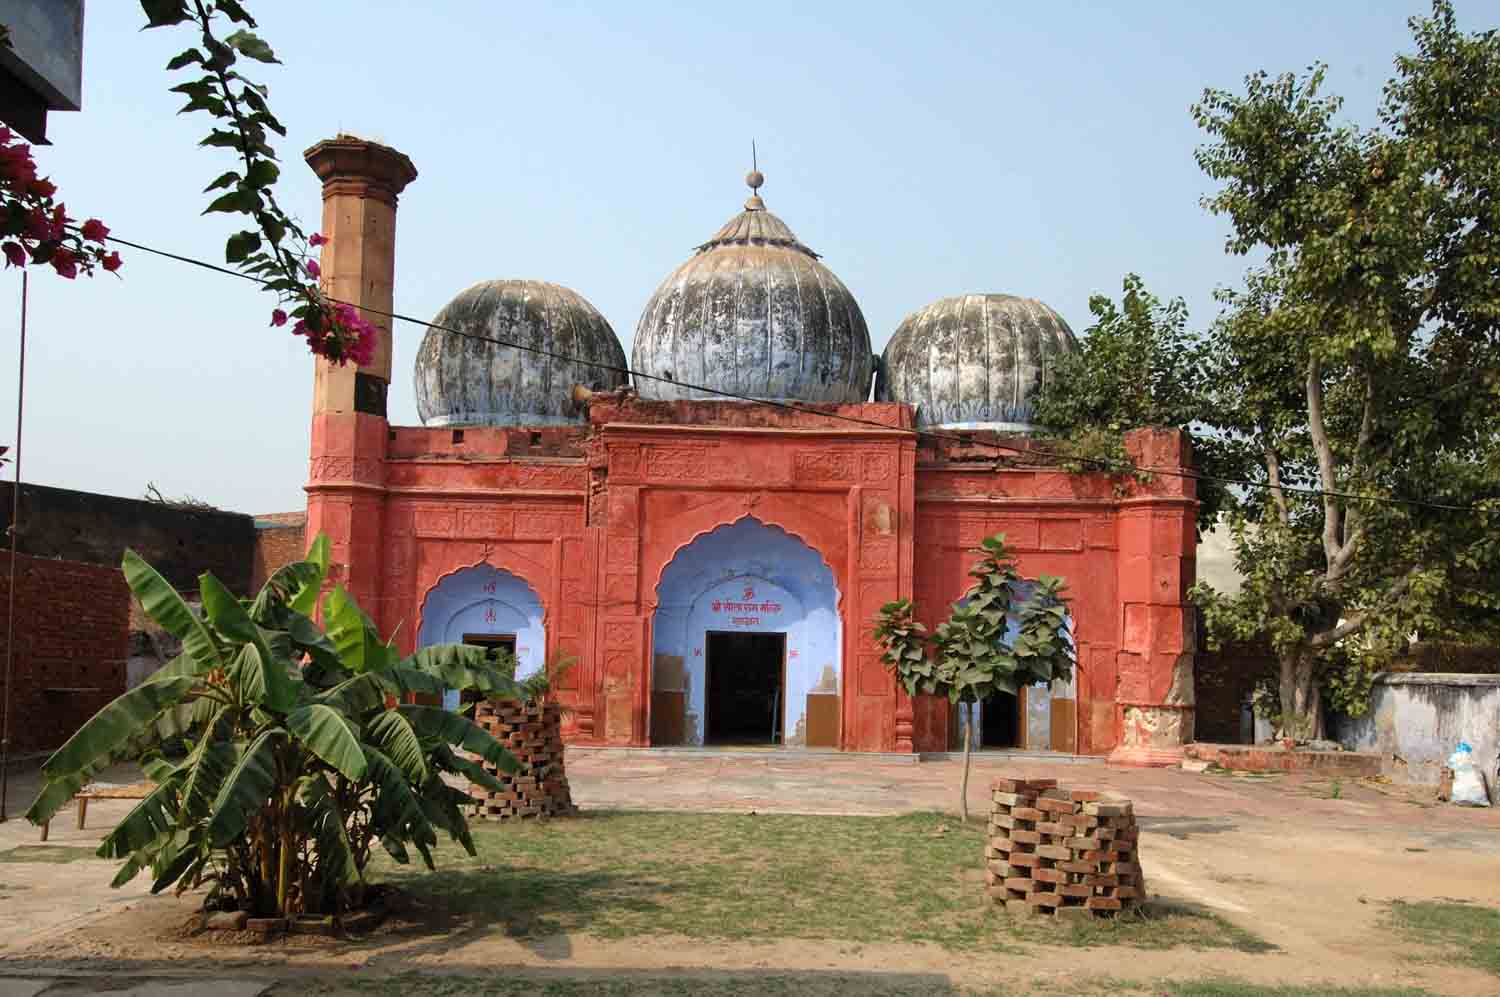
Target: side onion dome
[(753, 313), (463, 381), (973, 362)]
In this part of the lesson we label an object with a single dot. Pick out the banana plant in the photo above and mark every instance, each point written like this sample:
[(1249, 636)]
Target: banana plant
[(303, 746)]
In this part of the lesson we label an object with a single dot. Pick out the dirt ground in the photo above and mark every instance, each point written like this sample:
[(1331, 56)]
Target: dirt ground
[(1307, 865)]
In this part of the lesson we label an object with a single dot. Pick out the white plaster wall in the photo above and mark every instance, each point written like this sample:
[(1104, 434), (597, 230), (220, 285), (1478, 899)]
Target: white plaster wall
[(1420, 718), (485, 600), (713, 583)]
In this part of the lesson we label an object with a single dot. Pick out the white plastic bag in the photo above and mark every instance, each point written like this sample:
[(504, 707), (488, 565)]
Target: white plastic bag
[(1468, 781)]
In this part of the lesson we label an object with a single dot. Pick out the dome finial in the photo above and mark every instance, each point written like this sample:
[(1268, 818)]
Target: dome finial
[(754, 179)]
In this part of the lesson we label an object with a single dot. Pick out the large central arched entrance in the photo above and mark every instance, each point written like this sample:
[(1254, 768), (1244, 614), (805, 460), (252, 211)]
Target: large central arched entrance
[(747, 642)]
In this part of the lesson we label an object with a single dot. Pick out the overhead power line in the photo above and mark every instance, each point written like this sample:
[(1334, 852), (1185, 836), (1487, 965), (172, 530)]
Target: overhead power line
[(1002, 449)]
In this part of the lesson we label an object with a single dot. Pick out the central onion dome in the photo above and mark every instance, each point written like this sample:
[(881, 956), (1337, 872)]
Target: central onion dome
[(467, 381), (753, 313), (973, 362)]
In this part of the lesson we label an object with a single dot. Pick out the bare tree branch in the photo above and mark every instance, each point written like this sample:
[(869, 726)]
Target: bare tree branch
[(1273, 472), (1355, 622), (1324, 449)]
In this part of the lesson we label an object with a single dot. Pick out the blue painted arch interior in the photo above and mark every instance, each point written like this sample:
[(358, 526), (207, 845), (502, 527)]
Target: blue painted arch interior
[(748, 576), (484, 599)]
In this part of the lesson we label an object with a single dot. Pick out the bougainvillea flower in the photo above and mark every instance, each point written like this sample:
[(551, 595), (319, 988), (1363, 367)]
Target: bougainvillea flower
[(15, 256), (278, 317), (111, 262), (313, 268), (65, 263), (42, 188), (94, 230), (317, 239)]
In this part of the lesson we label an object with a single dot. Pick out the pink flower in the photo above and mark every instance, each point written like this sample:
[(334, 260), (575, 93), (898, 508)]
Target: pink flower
[(38, 225), (317, 239), (278, 317), (16, 166), (15, 256), (94, 230), (65, 263), (111, 262), (313, 269), (4, 135)]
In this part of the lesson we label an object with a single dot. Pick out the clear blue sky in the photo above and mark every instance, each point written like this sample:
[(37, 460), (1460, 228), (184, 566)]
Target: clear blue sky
[(925, 149)]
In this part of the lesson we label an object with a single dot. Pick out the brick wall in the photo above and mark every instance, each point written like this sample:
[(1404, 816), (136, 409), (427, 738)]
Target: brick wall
[(72, 637), (280, 539), (1221, 681), (96, 529)]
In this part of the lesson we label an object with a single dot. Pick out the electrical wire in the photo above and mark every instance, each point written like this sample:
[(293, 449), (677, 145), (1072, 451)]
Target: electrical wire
[(1114, 467)]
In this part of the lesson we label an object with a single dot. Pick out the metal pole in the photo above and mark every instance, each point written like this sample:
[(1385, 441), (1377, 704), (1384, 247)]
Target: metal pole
[(15, 532)]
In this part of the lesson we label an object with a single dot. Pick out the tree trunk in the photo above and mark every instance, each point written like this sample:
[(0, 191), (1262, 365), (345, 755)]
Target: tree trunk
[(963, 790), (1301, 699)]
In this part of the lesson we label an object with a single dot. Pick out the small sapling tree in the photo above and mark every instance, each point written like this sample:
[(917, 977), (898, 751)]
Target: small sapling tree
[(1004, 634)]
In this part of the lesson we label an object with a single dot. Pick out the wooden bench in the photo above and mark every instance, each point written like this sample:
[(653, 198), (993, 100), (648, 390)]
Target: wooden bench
[(105, 791)]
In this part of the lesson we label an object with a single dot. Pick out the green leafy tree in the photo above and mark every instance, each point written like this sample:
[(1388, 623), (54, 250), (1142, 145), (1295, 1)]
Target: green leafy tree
[(298, 757), (1138, 365), (1359, 362), (969, 658)]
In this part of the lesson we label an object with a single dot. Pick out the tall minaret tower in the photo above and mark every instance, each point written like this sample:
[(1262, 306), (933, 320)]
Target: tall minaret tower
[(345, 488)]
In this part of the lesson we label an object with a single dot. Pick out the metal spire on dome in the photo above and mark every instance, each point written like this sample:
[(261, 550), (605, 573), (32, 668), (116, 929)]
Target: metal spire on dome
[(754, 179)]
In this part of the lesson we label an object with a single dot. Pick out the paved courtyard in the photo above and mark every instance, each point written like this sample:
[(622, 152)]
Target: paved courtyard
[(1308, 864)]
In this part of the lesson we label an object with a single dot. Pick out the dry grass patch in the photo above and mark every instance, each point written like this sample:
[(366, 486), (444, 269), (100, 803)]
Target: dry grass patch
[(915, 878)]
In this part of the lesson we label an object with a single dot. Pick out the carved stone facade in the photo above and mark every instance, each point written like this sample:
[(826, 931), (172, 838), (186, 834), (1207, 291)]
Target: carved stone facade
[(590, 516)]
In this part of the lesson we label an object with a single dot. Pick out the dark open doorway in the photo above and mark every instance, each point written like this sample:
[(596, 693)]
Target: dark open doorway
[(493, 644), (745, 687), (1000, 721)]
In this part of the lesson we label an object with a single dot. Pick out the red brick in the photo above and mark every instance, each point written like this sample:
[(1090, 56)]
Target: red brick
[(1102, 903), (1033, 786), (1050, 876)]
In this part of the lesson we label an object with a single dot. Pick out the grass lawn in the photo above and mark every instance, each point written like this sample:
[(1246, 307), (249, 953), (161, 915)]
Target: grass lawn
[(1466, 933), (737, 877)]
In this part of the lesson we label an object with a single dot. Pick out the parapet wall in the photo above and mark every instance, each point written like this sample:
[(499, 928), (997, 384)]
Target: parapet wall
[(1417, 719)]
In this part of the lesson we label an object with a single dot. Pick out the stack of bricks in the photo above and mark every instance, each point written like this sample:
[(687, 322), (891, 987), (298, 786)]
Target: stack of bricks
[(532, 732), (1058, 851)]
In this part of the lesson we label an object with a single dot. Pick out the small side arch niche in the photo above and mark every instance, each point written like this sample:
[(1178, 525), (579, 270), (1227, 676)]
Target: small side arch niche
[(489, 603)]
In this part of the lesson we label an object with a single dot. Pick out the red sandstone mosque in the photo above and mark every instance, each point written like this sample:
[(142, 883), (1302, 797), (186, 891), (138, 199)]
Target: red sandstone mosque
[(714, 566)]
